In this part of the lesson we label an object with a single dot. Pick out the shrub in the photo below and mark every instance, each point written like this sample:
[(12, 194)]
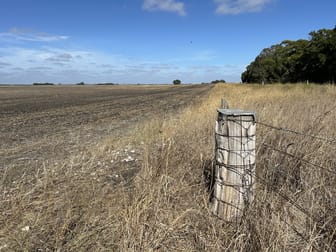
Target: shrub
[(176, 82), (42, 84), (218, 81)]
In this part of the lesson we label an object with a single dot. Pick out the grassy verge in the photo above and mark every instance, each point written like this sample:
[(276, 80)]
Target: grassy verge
[(158, 199)]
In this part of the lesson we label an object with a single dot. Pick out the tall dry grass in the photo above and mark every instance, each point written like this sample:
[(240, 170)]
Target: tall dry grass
[(89, 203)]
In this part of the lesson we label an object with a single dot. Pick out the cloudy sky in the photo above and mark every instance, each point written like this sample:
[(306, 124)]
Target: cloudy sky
[(146, 41)]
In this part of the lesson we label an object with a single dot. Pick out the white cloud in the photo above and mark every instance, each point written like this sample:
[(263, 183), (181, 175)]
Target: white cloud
[(240, 6), (62, 57), (165, 5), (52, 64), (30, 35)]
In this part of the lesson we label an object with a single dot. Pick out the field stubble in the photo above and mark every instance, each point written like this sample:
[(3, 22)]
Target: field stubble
[(84, 203)]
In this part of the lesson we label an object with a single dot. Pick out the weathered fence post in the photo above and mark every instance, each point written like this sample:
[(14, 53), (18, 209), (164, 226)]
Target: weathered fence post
[(224, 104), (235, 163)]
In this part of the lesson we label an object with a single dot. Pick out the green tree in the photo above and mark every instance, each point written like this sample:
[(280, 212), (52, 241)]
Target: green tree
[(176, 82), (321, 56), (218, 81), (292, 57), (296, 61)]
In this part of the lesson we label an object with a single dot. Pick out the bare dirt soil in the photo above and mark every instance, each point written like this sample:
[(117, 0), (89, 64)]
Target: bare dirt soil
[(39, 123)]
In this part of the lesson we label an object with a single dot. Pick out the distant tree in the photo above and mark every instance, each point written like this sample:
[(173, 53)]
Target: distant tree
[(218, 81), (176, 82), (80, 83), (42, 84), (106, 83)]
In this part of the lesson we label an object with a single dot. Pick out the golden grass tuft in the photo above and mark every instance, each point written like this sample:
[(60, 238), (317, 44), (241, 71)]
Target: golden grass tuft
[(88, 204)]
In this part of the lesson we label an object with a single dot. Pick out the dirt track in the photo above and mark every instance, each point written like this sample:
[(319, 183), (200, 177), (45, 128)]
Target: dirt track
[(52, 122)]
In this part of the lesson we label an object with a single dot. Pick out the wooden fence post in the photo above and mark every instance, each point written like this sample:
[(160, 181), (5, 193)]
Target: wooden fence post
[(224, 104), (234, 174)]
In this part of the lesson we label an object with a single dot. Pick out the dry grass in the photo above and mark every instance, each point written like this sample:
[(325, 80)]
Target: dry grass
[(161, 202)]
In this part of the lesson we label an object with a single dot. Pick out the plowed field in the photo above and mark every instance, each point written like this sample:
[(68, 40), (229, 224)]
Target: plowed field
[(39, 123)]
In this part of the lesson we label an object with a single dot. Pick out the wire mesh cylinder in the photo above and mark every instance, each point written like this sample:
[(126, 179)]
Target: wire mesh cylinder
[(235, 163)]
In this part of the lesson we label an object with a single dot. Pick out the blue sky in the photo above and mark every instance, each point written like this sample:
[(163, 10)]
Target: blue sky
[(147, 41)]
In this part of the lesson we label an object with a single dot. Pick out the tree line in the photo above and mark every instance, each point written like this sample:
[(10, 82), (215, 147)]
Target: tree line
[(292, 61)]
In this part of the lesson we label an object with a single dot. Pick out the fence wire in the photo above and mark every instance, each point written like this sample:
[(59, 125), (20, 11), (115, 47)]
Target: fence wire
[(284, 196), (318, 118), (302, 235), (293, 203), (327, 140), (298, 158), (324, 139)]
